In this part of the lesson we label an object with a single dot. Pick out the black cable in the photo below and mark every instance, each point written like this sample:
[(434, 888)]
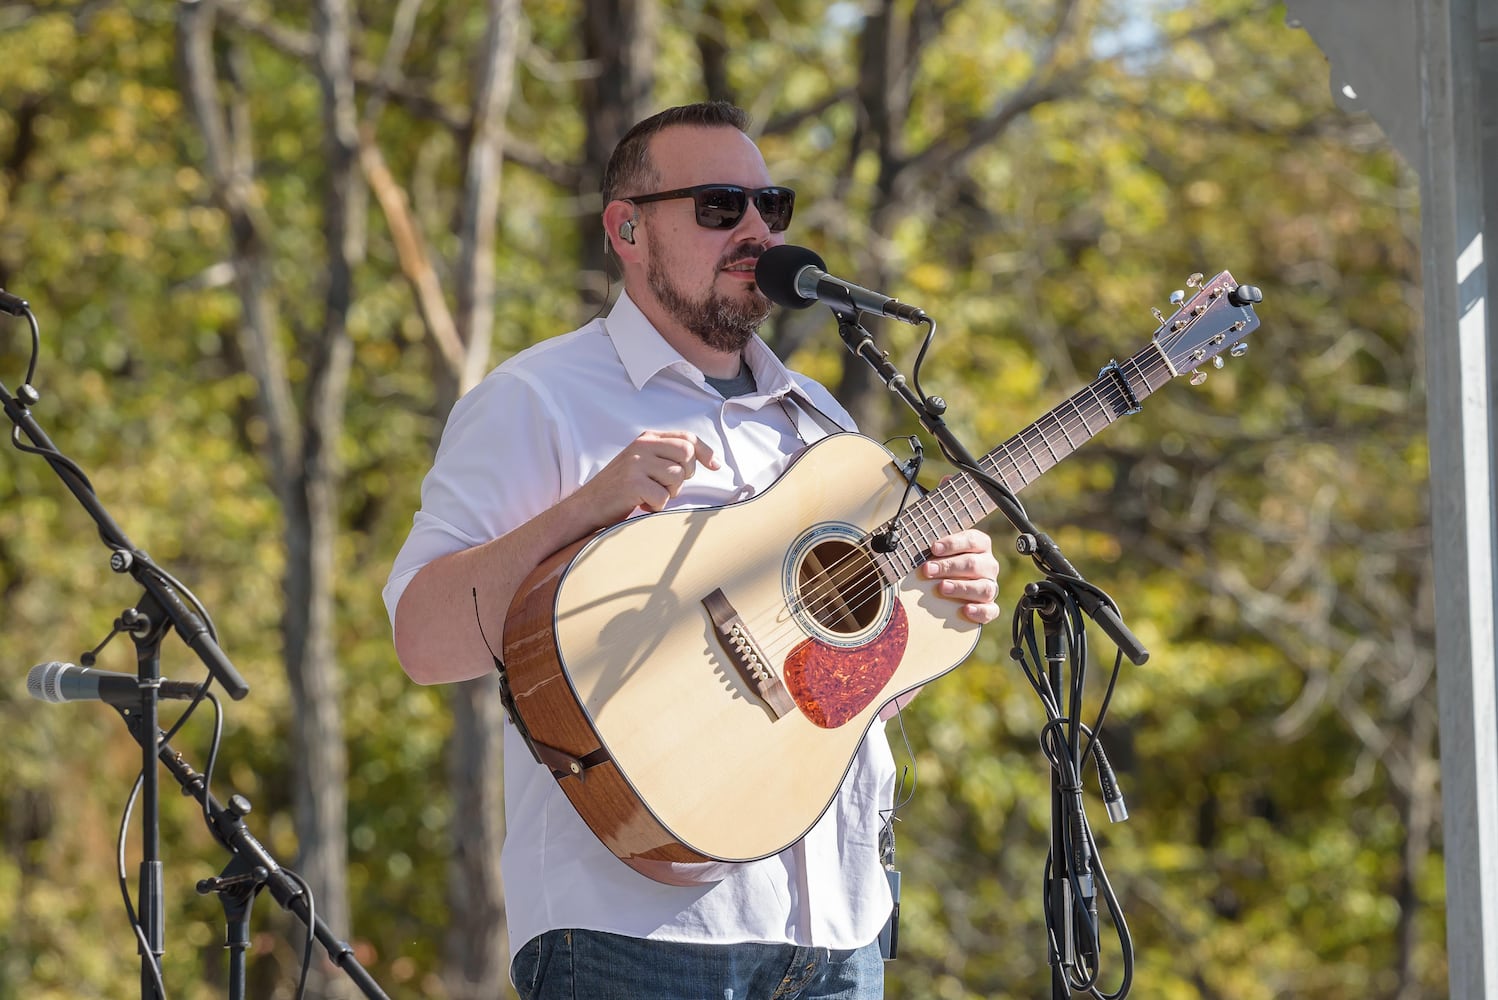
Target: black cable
[(920, 359), (144, 946), (904, 792), (131, 914), (310, 922), (29, 397), (889, 539), (1062, 743)]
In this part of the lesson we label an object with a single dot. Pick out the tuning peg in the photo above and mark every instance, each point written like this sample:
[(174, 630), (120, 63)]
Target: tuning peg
[(1239, 349), (1159, 316), (1245, 295), (1198, 377), (1194, 280), (1217, 362), (1177, 297)]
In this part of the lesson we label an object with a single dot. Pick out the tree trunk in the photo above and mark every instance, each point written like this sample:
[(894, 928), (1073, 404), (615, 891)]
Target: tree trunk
[(619, 39), (301, 453), (321, 779), (475, 952)]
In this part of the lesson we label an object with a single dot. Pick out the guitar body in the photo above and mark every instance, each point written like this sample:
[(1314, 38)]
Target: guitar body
[(677, 754)]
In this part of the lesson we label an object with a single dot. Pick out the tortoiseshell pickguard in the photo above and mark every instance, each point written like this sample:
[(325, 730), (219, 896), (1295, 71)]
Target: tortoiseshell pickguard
[(832, 684)]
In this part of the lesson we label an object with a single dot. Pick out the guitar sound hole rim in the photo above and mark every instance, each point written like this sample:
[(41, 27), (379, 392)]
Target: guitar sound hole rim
[(831, 560)]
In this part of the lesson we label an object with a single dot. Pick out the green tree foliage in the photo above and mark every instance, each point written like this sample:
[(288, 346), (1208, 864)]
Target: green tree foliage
[(1264, 533)]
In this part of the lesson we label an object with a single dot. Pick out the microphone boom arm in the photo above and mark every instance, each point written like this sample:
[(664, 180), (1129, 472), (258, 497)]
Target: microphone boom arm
[(125, 557)]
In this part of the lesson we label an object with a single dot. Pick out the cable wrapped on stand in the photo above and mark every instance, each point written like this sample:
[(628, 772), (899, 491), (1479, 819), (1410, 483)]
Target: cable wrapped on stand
[(1074, 875)]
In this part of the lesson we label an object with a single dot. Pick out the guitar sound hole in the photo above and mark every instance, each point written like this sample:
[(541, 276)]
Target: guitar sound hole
[(840, 587)]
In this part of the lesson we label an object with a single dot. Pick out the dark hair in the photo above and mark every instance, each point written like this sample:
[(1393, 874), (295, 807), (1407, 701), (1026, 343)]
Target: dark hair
[(629, 168)]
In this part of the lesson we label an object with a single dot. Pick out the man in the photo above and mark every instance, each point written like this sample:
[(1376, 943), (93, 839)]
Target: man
[(671, 400)]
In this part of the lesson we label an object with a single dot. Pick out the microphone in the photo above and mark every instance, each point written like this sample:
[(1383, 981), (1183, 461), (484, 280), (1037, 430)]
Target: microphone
[(59, 682), (797, 278)]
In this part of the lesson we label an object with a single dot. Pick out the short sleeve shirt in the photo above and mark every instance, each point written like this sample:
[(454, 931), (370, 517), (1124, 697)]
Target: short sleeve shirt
[(537, 428)]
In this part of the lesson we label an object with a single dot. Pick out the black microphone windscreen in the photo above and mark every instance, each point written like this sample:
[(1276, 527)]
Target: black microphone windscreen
[(777, 270)]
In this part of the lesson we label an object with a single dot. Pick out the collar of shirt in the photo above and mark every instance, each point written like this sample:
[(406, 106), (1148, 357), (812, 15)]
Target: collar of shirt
[(645, 354)]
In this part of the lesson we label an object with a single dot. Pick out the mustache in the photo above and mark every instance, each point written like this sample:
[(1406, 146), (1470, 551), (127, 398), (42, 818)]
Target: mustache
[(746, 255)]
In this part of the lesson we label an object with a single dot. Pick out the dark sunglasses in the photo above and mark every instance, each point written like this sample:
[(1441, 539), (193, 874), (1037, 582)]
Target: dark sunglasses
[(721, 206)]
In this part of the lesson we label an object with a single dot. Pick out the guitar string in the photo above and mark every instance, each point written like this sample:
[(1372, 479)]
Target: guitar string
[(968, 495), (1090, 395), (833, 589), (829, 590)]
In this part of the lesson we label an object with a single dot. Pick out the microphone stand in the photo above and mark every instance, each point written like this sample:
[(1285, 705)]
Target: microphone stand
[(146, 630), (1064, 584), (1071, 890), (165, 608), (159, 609), (251, 869)]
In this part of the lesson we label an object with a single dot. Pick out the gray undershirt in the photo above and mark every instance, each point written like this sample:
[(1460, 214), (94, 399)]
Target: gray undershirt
[(740, 385)]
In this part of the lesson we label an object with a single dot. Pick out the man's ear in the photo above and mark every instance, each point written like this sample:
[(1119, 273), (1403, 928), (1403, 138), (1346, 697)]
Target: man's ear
[(620, 227)]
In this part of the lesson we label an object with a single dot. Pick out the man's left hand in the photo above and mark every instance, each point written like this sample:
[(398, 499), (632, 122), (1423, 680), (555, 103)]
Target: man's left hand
[(968, 571)]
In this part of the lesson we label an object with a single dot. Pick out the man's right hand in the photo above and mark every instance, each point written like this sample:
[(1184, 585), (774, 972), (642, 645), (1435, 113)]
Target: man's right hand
[(433, 637), (645, 475)]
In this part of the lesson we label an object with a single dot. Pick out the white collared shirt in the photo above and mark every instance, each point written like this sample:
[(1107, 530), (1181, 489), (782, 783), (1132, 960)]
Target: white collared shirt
[(538, 427)]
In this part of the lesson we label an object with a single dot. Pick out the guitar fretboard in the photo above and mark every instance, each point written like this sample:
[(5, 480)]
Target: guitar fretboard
[(961, 501)]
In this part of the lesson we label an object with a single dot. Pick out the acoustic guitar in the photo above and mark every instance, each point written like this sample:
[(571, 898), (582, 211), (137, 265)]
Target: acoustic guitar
[(699, 680)]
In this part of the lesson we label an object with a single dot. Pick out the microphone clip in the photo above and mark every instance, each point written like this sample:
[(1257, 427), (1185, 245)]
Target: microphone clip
[(887, 540)]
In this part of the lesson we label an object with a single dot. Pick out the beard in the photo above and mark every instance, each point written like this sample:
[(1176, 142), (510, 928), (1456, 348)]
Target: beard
[(723, 323)]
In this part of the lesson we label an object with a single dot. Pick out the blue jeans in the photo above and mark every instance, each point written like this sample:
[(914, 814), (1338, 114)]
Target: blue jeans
[(591, 965)]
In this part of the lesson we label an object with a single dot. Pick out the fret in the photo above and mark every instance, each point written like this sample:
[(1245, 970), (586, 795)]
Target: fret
[(990, 464), (1021, 438), (1071, 445), (1045, 429), (1016, 481), (952, 521), (1083, 413), (1055, 459), (890, 566), (922, 510), (910, 553), (1089, 400), (942, 523), (1103, 410), (1157, 364), (1131, 373), (975, 502)]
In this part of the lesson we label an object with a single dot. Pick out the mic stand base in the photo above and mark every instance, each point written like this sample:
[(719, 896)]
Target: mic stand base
[(251, 869), (237, 887)]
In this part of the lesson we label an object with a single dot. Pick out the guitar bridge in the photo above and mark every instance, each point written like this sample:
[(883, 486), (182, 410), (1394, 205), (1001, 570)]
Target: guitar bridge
[(745, 655)]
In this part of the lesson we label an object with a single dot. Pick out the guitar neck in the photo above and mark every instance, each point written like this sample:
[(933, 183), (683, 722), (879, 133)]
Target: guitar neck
[(961, 502)]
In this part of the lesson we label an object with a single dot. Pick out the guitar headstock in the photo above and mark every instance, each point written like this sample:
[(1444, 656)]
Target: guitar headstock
[(1217, 318)]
